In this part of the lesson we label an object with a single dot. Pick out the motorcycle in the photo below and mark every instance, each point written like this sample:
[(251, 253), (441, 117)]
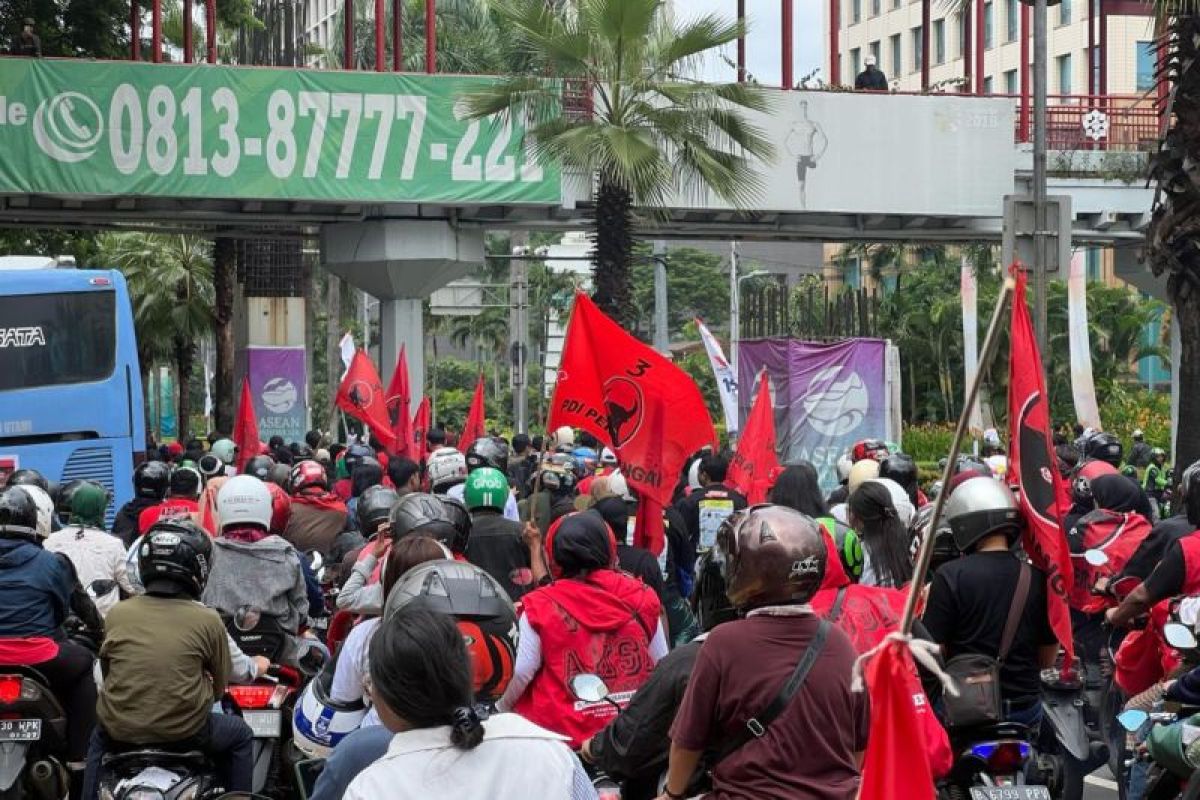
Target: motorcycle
[(590, 688), (33, 737), (268, 702), (160, 774), (991, 764)]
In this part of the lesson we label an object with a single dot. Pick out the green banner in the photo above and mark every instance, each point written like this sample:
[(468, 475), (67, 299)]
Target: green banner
[(125, 128)]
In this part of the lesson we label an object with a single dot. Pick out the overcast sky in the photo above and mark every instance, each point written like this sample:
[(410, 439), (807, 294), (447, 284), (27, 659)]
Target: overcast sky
[(763, 43)]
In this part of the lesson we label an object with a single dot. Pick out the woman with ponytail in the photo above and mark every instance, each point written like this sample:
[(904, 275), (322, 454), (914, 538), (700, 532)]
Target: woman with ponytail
[(421, 685)]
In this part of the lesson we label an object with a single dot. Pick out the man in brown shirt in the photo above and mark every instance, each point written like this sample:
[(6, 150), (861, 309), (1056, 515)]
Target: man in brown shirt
[(774, 561), (166, 660)]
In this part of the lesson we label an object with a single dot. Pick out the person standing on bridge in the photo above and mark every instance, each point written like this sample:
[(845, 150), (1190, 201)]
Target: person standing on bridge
[(871, 79), (27, 43)]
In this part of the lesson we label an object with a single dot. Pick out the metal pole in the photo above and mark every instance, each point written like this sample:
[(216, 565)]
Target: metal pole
[(735, 310), (741, 42), (156, 31), (835, 56), (379, 23), (979, 45), (1024, 114), (397, 35), (430, 37), (925, 25), (210, 30), (1039, 172), (518, 276), (967, 47), (662, 339), (925, 555), (786, 54), (348, 35), (135, 31), (187, 32)]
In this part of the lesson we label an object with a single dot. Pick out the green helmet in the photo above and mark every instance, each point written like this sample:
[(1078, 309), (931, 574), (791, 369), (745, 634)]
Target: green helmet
[(486, 488), (224, 450)]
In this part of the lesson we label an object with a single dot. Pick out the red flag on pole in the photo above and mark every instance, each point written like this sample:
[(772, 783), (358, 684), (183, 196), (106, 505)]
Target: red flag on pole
[(420, 428), (473, 427), (361, 396), (649, 411), (398, 400), (755, 465), (896, 751), (245, 428), (1032, 467)]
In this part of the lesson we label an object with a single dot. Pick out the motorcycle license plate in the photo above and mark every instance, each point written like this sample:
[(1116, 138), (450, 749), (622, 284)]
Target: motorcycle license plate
[(263, 724), (1010, 793), (20, 730)]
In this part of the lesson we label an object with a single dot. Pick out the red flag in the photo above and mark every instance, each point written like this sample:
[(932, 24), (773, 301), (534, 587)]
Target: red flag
[(398, 400), (473, 427), (649, 533), (649, 411), (755, 466), (420, 431), (1032, 467), (896, 753), (361, 396), (245, 428)]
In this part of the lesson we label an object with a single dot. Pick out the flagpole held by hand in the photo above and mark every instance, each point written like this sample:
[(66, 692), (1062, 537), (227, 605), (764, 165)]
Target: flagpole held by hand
[(986, 355)]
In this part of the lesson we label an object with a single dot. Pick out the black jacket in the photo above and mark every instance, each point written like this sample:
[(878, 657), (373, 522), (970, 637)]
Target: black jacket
[(633, 748), (125, 525), (496, 547), (871, 79)]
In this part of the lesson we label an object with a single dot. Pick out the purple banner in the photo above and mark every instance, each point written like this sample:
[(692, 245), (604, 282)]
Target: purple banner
[(278, 382), (827, 396)]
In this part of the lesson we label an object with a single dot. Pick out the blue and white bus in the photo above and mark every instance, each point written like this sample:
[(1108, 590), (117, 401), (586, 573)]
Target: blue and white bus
[(71, 403)]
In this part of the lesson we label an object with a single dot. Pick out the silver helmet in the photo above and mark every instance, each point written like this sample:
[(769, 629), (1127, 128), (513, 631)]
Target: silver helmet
[(979, 507)]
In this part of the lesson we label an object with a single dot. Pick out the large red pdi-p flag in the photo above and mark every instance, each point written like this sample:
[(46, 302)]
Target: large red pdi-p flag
[(1033, 469), (361, 396), (245, 428), (398, 400), (755, 465), (420, 431), (649, 411), (473, 428)]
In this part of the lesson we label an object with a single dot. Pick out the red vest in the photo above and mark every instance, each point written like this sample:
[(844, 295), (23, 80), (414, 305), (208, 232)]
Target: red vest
[(1190, 545), (1117, 535), (602, 624)]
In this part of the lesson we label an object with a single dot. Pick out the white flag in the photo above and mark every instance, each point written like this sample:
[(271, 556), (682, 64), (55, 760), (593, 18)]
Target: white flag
[(346, 345), (970, 324), (1083, 387), (726, 380)]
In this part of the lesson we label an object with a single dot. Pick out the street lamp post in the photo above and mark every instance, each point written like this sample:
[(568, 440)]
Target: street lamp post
[(735, 306)]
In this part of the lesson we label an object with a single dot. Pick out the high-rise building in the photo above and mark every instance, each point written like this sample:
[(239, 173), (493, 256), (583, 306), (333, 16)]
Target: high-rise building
[(1118, 33), (321, 18)]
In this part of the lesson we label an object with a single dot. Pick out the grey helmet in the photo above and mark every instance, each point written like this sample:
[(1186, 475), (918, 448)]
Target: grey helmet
[(979, 507)]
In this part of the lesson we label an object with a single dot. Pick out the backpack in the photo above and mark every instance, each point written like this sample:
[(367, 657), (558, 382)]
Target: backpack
[(1115, 533)]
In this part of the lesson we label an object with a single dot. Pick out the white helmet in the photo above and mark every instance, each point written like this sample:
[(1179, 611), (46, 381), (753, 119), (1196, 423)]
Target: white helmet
[(608, 458), (843, 467), (45, 508), (620, 487), (564, 436), (694, 474), (320, 722), (446, 466), (244, 500), (861, 472)]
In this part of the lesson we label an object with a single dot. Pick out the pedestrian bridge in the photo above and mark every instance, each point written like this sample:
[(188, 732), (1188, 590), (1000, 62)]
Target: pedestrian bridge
[(243, 150)]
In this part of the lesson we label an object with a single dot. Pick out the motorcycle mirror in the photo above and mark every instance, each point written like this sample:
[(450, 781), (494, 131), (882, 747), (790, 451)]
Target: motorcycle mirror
[(588, 687), (1097, 558), (100, 588), (1179, 636), (315, 560), (1133, 719), (246, 618)]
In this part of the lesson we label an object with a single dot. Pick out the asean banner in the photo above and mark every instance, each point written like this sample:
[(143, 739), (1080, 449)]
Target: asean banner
[(826, 396), (278, 379)]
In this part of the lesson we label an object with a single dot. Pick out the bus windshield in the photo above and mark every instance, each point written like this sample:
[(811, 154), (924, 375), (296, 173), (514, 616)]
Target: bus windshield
[(56, 339)]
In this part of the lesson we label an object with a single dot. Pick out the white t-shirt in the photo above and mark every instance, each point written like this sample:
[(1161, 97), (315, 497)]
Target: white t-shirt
[(97, 556), (350, 676)]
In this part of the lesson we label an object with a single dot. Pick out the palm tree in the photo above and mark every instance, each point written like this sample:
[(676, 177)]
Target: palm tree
[(171, 286), (1175, 221), (654, 130)]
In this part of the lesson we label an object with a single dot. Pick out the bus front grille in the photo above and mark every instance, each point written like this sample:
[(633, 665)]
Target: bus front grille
[(94, 464)]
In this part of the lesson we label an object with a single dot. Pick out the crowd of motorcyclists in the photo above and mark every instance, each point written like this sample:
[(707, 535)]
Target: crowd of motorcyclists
[(494, 603)]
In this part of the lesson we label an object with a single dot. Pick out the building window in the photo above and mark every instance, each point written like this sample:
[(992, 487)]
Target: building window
[(855, 11), (1064, 12), (939, 41), (918, 47), (897, 59), (875, 53), (987, 26), (1064, 74), (1010, 82), (987, 85), (1146, 60), (855, 62), (852, 273), (1012, 20), (895, 3), (875, 8), (1092, 264)]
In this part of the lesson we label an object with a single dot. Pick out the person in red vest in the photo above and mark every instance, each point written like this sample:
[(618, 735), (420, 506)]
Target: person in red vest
[(590, 619), (181, 502)]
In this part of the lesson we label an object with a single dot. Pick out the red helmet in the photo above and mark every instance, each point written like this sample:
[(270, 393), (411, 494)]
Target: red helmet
[(281, 509), (307, 474), (870, 448)]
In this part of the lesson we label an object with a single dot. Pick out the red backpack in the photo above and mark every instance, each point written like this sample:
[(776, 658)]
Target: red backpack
[(1116, 534)]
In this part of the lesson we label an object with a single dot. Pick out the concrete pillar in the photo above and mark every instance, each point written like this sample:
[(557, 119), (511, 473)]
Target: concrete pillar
[(400, 262)]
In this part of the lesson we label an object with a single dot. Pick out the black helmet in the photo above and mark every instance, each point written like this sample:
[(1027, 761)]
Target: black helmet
[(66, 493), (1104, 447), (903, 470), (174, 557), (28, 477), (151, 480), (460, 519), (354, 455), (979, 507), (260, 467), (18, 514), (1189, 485), (488, 451), (479, 606), (373, 508), (415, 511), (970, 464)]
